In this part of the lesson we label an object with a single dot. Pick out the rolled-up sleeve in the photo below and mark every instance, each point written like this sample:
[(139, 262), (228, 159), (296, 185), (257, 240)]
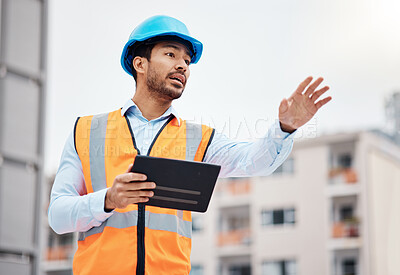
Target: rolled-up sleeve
[(71, 209), (256, 158)]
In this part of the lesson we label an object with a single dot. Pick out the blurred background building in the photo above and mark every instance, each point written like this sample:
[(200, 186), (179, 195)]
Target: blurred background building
[(23, 25), (332, 208), (392, 109)]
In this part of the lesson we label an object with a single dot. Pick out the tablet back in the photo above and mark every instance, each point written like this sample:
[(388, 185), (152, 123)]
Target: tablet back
[(184, 185)]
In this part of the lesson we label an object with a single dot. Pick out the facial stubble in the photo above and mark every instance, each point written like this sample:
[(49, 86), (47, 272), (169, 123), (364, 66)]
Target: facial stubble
[(157, 85)]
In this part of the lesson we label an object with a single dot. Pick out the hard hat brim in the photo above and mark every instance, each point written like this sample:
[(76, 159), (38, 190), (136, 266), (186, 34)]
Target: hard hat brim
[(196, 45)]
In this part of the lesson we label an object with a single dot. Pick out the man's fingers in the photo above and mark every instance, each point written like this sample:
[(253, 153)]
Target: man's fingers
[(129, 188), (137, 176), (318, 93), (141, 199), (313, 86), (322, 102), (140, 193), (128, 177), (303, 85), (136, 200), (134, 186)]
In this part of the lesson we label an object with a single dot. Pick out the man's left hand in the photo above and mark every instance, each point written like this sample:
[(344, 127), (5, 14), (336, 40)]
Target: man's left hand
[(300, 107)]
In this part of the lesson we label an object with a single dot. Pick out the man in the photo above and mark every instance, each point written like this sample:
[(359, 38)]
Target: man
[(95, 194)]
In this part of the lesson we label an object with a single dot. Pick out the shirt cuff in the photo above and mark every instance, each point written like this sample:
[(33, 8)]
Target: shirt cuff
[(97, 205), (280, 134)]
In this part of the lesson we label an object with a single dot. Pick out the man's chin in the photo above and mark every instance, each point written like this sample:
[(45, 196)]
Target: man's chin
[(172, 94), (176, 91), (176, 95)]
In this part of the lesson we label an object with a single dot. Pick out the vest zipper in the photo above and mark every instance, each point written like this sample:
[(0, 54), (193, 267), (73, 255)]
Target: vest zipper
[(141, 252), (140, 240)]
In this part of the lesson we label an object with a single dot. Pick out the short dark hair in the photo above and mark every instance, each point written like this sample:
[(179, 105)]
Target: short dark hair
[(142, 50)]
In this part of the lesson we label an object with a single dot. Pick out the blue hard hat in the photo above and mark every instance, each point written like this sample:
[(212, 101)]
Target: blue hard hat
[(160, 26)]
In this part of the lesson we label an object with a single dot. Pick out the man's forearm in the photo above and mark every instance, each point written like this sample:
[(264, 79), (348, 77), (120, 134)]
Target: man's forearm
[(244, 159), (77, 213)]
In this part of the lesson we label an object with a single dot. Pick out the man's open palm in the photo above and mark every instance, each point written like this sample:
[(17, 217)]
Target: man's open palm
[(301, 106)]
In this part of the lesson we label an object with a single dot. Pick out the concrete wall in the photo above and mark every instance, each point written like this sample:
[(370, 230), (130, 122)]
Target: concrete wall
[(384, 208), (304, 190)]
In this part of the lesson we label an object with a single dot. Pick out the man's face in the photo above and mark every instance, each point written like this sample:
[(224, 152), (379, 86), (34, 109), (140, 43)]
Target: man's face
[(168, 69)]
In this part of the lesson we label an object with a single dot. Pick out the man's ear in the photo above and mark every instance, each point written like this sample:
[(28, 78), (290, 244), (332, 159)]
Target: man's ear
[(139, 64)]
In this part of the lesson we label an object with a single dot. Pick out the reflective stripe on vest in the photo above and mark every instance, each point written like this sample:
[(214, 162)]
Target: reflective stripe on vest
[(106, 148), (155, 221), (97, 145), (193, 139)]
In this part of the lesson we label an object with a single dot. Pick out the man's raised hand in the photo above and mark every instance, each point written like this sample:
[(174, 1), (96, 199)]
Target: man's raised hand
[(301, 106)]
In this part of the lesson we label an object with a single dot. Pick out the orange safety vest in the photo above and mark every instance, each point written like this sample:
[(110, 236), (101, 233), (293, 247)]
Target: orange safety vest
[(139, 239)]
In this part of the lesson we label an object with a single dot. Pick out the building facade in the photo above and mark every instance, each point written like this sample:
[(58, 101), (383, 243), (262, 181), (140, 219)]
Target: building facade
[(332, 208), (23, 25)]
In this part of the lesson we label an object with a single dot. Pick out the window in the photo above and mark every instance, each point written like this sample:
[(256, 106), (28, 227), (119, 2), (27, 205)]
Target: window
[(197, 223), (289, 217), (196, 270), (346, 212), (278, 216), (345, 160), (238, 222), (60, 240), (349, 267), (240, 270), (287, 167), (283, 267)]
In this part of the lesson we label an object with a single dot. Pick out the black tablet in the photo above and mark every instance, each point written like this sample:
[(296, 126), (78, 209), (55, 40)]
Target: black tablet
[(180, 184)]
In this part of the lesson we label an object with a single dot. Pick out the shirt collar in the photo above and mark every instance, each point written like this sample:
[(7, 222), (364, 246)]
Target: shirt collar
[(130, 105)]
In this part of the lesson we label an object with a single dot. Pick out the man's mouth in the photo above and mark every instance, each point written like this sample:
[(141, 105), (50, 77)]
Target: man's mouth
[(178, 78)]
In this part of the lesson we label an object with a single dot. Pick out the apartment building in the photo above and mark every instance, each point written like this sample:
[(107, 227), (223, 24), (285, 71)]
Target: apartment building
[(332, 208), (23, 25)]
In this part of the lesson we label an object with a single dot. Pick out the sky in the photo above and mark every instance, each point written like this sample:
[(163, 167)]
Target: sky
[(255, 54)]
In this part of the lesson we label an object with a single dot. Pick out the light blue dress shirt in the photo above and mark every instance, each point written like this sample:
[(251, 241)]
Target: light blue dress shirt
[(73, 210)]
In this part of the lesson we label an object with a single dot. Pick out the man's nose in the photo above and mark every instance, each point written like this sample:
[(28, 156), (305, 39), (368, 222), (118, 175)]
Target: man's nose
[(181, 65)]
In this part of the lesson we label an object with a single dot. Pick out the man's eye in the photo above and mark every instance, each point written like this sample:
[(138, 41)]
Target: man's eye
[(187, 62), (171, 54)]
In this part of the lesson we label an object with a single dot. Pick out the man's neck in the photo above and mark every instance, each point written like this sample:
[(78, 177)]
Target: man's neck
[(150, 107)]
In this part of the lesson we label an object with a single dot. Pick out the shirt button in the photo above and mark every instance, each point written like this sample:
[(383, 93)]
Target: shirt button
[(146, 142)]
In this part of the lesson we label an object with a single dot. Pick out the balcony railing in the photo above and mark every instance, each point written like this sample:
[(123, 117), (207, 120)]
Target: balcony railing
[(343, 175), (235, 237), (235, 187), (346, 229), (59, 253)]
